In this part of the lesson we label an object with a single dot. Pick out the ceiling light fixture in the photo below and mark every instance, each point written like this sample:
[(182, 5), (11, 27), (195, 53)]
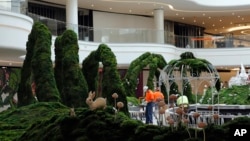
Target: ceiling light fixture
[(239, 28), (245, 32)]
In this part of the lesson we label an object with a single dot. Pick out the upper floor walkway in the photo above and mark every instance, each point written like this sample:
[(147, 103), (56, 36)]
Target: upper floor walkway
[(142, 35), (127, 44)]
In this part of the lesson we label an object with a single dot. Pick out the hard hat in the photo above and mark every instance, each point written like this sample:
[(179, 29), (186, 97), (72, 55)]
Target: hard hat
[(145, 88)]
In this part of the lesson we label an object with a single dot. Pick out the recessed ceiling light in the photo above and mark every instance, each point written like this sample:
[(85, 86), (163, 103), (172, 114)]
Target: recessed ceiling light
[(170, 6)]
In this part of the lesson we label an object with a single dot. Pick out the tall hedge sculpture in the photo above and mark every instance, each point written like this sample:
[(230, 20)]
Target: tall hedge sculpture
[(111, 81), (153, 61), (58, 65), (90, 67), (24, 93), (74, 89), (42, 67), (136, 66), (159, 63)]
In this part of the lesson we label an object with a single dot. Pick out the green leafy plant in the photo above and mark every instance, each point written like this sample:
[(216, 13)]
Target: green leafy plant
[(234, 95)]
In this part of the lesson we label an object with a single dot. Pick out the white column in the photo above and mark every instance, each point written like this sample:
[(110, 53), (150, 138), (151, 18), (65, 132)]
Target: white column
[(159, 25), (72, 15)]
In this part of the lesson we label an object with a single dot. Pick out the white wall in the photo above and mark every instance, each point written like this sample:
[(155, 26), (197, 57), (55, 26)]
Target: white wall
[(114, 20), (122, 25)]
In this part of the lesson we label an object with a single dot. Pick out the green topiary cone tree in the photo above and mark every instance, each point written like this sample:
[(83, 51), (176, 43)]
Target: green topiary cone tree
[(42, 67), (24, 93), (58, 65), (74, 88), (111, 81)]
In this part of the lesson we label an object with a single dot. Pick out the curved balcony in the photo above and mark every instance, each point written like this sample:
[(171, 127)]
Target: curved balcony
[(14, 29), (127, 44), (137, 35)]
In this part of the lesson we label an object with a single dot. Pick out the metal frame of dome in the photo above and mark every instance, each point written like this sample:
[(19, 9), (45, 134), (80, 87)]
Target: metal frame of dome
[(170, 74)]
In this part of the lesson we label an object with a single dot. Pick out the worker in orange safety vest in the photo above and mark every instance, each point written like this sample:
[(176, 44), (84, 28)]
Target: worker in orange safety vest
[(158, 95), (149, 98)]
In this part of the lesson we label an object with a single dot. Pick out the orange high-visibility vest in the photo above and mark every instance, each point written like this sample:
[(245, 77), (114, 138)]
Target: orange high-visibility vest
[(149, 96), (158, 96)]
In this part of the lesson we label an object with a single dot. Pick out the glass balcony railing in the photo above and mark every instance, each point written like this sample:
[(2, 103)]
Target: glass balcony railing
[(107, 35), (209, 41), (136, 35)]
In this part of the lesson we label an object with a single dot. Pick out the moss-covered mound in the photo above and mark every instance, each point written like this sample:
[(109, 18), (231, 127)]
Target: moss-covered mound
[(52, 121), (13, 123)]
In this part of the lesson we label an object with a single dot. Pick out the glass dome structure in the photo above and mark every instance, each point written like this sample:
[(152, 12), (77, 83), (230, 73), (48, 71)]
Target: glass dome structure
[(190, 74)]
